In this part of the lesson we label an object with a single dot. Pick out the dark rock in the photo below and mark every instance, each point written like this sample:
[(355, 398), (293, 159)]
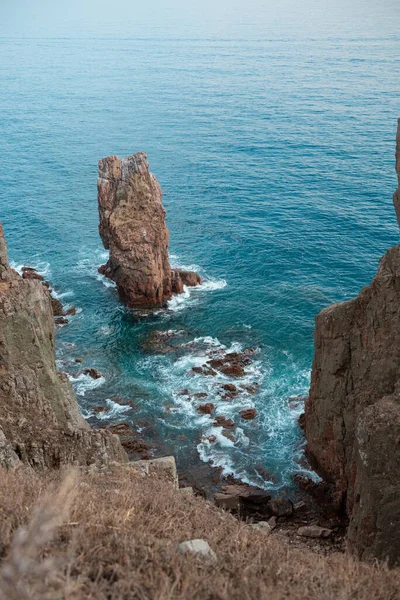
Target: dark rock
[(204, 371), (313, 531), (93, 373), (281, 507), (60, 321), (200, 395), (248, 414), (206, 409), (221, 421)]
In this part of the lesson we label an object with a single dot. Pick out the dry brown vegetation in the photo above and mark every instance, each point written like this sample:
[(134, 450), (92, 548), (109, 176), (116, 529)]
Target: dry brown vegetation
[(119, 538)]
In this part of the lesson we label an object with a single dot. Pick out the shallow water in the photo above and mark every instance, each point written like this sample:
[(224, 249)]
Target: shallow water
[(274, 146)]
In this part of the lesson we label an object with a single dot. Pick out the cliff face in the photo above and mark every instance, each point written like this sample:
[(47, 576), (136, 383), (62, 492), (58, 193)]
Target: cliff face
[(352, 419), (133, 228), (40, 422)]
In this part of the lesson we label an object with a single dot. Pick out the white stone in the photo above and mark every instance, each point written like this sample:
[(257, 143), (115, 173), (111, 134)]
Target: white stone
[(199, 548)]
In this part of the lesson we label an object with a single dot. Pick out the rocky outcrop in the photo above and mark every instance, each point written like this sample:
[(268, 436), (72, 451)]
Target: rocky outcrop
[(40, 422), (132, 226), (352, 418)]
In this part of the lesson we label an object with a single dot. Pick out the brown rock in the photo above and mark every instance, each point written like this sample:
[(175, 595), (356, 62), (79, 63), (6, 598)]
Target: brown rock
[(133, 228), (281, 507), (206, 409), (93, 373), (57, 307), (31, 273), (313, 531), (204, 371), (212, 438), (221, 421), (201, 395), (229, 436), (60, 321), (248, 413), (71, 311), (188, 278), (229, 387)]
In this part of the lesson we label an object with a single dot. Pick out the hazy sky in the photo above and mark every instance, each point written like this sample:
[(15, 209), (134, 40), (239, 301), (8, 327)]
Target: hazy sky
[(52, 17)]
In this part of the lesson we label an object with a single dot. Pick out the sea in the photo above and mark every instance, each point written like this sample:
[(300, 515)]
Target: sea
[(272, 135)]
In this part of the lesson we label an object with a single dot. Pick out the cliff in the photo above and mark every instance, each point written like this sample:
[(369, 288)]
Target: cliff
[(40, 422), (133, 228), (352, 417)]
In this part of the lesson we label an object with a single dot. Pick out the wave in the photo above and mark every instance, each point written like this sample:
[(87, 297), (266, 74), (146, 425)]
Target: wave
[(83, 383), (43, 268), (113, 409)]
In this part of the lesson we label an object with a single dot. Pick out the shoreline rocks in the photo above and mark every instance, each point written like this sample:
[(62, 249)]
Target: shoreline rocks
[(133, 228)]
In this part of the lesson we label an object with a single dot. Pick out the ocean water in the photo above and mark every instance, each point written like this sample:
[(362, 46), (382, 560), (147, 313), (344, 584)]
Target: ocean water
[(273, 140)]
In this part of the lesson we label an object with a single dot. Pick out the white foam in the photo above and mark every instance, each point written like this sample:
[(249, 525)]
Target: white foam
[(83, 383), (42, 268), (113, 410)]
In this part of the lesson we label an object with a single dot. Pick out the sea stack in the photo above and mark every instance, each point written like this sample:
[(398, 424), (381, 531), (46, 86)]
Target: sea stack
[(133, 228), (40, 422), (352, 418)]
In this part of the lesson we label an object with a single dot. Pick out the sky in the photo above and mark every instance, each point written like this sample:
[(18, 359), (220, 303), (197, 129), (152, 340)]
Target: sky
[(209, 17)]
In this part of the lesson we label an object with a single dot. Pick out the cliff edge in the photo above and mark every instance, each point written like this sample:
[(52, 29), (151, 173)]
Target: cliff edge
[(133, 228), (352, 416), (40, 422)]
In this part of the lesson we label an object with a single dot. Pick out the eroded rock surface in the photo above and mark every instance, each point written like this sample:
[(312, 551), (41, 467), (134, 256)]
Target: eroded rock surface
[(133, 228), (352, 418), (40, 422)]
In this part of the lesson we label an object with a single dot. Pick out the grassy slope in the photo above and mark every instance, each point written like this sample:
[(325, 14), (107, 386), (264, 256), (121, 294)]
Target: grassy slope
[(118, 540)]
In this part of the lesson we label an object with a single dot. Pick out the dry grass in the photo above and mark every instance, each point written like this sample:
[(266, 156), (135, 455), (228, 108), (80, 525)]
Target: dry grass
[(120, 540)]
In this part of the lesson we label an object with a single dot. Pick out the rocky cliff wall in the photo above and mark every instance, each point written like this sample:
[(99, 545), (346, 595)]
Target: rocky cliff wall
[(40, 422), (352, 419), (132, 226)]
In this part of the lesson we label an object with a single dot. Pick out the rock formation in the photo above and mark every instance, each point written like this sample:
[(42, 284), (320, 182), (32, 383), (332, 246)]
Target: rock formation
[(352, 418), (40, 422), (132, 226)]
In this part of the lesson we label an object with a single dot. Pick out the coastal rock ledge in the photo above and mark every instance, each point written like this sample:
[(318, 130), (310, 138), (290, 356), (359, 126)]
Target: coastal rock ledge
[(352, 417), (132, 227)]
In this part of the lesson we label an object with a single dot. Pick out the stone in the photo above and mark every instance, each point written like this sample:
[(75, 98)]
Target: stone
[(352, 415), (164, 467), (230, 387), (198, 548), (239, 495), (57, 307), (31, 273), (188, 278), (133, 228), (187, 491), (313, 531), (206, 409), (40, 419), (204, 371), (93, 373), (248, 414), (272, 522), (262, 526), (224, 422), (281, 507), (60, 321), (200, 395)]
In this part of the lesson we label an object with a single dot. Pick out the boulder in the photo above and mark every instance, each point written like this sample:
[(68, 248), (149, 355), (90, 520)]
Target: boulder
[(313, 531), (281, 507), (248, 414), (224, 422), (198, 548), (206, 409)]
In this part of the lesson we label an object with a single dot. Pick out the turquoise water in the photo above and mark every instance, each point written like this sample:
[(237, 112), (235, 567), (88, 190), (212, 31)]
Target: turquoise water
[(274, 146)]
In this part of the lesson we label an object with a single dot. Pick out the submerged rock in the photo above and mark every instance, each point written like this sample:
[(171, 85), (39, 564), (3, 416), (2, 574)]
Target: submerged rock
[(133, 228)]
